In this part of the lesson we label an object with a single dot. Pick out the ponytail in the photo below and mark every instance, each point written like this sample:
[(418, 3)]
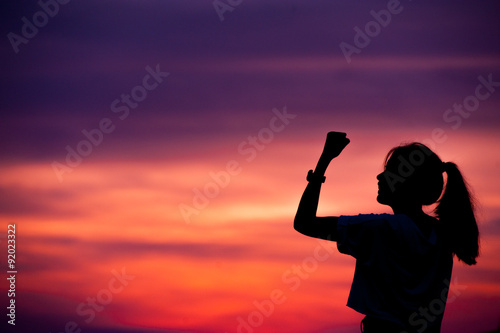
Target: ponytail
[(455, 211)]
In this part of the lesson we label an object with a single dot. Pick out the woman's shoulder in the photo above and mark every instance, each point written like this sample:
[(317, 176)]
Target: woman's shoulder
[(384, 217), (398, 223), (376, 221)]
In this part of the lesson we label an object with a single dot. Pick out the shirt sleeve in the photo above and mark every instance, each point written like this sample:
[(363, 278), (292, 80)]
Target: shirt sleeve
[(357, 234)]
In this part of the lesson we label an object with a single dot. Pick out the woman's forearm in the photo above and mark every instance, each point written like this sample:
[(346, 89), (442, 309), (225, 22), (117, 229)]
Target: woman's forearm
[(306, 221), (308, 205), (322, 165)]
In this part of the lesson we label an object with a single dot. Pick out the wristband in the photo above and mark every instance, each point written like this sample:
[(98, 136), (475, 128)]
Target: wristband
[(312, 177)]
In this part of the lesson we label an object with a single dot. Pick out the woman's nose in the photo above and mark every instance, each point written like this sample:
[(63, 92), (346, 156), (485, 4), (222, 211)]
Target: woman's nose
[(379, 176)]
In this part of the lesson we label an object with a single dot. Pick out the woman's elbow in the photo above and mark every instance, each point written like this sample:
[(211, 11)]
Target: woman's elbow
[(299, 224)]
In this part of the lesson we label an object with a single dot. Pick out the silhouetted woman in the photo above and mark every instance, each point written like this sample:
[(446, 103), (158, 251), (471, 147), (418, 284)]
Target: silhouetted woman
[(403, 261)]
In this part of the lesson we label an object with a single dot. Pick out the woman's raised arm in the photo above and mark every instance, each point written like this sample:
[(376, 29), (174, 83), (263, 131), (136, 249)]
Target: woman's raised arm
[(306, 221)]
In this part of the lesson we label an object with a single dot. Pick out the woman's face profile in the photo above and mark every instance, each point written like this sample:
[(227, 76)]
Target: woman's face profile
[(384, 195), (388, 181)]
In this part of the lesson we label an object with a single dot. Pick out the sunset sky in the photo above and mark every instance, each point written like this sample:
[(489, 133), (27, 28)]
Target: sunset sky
[(153, 154)]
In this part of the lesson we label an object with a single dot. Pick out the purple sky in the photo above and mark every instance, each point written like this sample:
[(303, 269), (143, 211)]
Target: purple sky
[(227, 75)]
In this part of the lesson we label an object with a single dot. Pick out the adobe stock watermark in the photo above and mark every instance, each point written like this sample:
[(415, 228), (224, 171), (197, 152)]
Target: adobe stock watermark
[(92, 305), (120, 106), (372, 29), (471, 103), (250, 147), (430, 312), (453, 116), (40, 19), (222, 6), (292, 278)]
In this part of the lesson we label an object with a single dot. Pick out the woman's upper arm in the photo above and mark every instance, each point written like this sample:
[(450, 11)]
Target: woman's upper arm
[(319, 227)]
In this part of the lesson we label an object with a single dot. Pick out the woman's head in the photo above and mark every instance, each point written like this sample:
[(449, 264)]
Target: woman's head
[(412, 174)]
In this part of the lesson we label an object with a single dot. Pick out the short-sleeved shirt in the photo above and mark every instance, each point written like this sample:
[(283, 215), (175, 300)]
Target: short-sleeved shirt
[(401, 274)]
